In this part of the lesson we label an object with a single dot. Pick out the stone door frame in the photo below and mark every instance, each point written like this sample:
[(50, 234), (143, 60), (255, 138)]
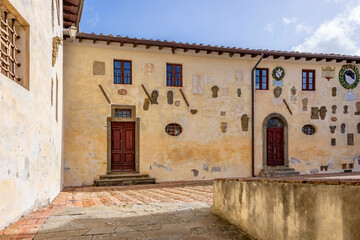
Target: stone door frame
[(286, 140), (133, 118)]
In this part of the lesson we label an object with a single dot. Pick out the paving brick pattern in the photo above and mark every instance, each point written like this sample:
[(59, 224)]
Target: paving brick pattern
[(178, 210)]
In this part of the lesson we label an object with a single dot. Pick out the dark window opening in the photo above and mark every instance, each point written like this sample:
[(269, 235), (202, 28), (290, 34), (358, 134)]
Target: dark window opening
[(122, 113), (308, 129), (174, 75), (308, 80), (261, 78), (122, 72), (173, 129)]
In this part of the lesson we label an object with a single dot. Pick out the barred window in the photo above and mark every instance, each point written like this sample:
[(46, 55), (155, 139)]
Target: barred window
[(13, 44), (123, 113), (308, 129), (173, 129)]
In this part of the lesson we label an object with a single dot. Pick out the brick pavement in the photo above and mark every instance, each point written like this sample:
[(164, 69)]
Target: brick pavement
[(86, 197)]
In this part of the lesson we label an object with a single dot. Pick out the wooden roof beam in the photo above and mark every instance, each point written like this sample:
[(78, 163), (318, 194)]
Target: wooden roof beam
[(208, 51), (339, 60), (308, 58), (173, 50), (242, 54), (147, 46), (186, 49), (319, 59), (231, 54), (197, 50), (297, 58), (220, 53), (253, 55), (287, 57)]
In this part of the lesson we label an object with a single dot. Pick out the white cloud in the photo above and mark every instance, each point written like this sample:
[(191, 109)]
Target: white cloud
[(339, 35), (93, 21), (269, 28), (302, 28), (287, 21)]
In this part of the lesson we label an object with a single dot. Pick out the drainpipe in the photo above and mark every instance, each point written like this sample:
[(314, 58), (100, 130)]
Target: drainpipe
[(253, 116)]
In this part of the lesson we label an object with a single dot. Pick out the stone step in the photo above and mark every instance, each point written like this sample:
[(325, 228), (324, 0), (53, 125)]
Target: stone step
[(123, 175), (283, 170), (287, 173), (124, 181)]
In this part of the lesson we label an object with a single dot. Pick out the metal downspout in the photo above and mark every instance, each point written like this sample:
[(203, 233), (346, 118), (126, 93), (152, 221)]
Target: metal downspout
[(253, 116)]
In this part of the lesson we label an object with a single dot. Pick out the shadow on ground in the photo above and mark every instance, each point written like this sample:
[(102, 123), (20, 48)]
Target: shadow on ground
[(155, 221)]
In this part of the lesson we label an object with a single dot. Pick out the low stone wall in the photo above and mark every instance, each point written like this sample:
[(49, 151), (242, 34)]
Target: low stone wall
[(290, 209)]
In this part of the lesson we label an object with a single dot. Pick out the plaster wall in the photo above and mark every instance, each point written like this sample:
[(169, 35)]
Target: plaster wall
[(202, 147), (30, 136), (307, 153), (274, 210)]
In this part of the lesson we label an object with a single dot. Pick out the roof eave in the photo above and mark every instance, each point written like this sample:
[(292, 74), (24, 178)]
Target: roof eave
[(220, 50)]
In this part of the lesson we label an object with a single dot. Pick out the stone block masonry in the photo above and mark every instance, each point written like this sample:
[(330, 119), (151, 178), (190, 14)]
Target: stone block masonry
[(281, 209)]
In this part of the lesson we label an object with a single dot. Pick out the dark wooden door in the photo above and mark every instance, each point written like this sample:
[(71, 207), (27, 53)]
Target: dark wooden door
[(122, 146), (275, 146)]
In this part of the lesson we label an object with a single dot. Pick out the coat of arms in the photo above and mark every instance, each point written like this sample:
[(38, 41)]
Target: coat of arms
[(349, 76), (278, 73)]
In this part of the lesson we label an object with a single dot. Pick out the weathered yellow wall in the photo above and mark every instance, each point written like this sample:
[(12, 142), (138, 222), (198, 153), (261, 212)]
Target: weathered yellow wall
[(30, 137), (278, 210), (202, 145), (308, 153)]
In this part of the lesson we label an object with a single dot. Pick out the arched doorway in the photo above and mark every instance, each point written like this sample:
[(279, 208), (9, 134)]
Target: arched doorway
[(275, 144)]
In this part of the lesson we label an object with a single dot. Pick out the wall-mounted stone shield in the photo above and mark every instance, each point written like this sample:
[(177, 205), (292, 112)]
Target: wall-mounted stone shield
[(215, 90), (245, 122), (277, 92)]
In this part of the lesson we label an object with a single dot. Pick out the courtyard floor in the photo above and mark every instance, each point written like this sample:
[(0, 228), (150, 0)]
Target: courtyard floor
[(161, 211)]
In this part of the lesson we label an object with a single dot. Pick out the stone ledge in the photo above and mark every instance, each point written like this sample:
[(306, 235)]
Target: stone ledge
[(327, 179)]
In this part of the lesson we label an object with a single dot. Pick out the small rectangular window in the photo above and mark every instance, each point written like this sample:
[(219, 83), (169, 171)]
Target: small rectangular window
[(308, 80), (261, 78), (122, 72), (174, 75), (123, 113)]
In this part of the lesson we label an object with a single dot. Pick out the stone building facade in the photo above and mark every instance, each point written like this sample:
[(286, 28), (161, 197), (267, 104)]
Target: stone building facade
[(73, 110), (312, 128), (31, 97)]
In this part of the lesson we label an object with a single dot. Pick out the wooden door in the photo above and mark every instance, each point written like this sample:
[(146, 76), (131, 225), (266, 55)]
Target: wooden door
[(275, 146), (123, 146)]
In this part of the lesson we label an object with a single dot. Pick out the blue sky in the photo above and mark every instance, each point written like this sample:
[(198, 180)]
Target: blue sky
[(329, 26)]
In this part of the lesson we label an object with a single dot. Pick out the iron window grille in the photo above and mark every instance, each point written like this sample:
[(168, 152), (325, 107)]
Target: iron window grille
[(122, 72), (308, 129), (173, 129), (261, 79), (8, 48), (122, 113), (174, 75)]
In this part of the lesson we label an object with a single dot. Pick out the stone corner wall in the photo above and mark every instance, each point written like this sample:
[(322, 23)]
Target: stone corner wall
[(277, 210), (31, 116)]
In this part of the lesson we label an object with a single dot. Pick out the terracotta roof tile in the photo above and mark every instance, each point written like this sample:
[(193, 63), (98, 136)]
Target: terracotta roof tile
[(231, 50)]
